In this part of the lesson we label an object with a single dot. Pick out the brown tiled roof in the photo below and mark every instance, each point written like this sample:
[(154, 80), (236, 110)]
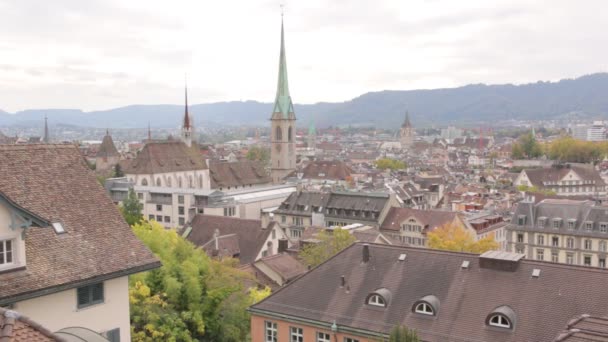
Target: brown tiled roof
[(53, 182), (240, 173), (285, 265), (227, 246), (430, 218), (333, 170), (542, 305), (251, 235), (107, 148), (165, 156), (15, 327)]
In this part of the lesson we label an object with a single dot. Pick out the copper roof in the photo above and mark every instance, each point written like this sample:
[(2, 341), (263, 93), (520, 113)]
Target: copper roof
[(54, 183)]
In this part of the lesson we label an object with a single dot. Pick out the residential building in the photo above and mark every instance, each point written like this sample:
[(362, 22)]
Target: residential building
[(65, 250), (411, 226), (558, 230), (283, 125), (564, 180), (369, 289)]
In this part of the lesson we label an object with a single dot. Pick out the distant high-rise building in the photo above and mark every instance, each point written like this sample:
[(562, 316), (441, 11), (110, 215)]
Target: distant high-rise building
[(283, 121), (593, 132), (406, 134)]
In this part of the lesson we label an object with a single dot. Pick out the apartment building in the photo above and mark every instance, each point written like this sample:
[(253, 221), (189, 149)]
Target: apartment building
[(564, 180)]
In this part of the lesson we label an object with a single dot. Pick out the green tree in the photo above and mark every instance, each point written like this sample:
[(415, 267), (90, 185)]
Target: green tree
[(118, 171), (454, 237), (517, 152), (391, 164), (329, 243), (131, 208), (403, 334), (191, 297)]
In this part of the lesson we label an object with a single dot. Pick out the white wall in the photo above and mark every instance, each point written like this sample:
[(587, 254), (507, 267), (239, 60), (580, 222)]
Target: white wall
[(59, 310)]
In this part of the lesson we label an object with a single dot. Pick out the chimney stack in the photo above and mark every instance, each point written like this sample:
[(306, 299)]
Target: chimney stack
[(365, 253), (283, 245)]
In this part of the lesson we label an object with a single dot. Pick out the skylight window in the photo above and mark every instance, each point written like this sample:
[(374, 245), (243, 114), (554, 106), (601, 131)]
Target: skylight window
[(58, 228)]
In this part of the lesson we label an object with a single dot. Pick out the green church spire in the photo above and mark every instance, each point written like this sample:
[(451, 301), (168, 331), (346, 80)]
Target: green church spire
[(283, 107)]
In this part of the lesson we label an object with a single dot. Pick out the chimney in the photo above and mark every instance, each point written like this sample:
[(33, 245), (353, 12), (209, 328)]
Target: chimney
[(365, 253), (283, 245)]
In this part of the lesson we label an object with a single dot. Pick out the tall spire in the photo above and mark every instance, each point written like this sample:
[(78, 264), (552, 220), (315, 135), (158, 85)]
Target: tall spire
[(407, 122), (282, 102), (149, 132), (186, 114), (45, 139), (187, 126)]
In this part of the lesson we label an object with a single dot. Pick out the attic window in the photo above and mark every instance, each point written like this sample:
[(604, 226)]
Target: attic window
[(499, 321), (521, 220), (425, 309), (501, 317), (58, 228), (381, 297), (376, 300), (428, 305)]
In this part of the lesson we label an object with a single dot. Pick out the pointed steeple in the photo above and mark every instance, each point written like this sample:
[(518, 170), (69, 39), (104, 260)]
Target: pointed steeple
[(283, 107), (45, 139), (406, 122), (186, 114), (149, 132), (187, 125)]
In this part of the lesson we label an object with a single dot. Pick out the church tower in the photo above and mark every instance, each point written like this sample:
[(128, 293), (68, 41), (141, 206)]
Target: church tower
[(312, 136), (187, 124), (283, 124), (406, 134)]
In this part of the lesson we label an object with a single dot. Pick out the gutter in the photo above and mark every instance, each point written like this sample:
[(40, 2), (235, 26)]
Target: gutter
[(78, 283)]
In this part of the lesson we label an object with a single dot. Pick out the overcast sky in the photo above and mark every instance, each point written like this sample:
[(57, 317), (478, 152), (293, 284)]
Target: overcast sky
[(100, 54)]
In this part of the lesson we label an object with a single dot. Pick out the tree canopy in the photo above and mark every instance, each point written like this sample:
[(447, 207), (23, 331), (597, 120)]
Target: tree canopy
[(391, 164), (526, 147), (403, 334), (131, 208), (568, 149), (259, 154), (330, 243), (453, 237), (191, 297)]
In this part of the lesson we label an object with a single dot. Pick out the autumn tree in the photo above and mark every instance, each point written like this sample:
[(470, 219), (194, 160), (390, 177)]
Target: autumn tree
[(329, 244), (454, 237), (191, 297), (391, 164), (568, 149), (131, 208)]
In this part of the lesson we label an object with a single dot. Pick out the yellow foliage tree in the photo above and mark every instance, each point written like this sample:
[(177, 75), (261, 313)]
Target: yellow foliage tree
[(453, 237)]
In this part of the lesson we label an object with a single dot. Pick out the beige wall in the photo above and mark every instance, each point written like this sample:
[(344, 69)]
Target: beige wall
[(59, 310), (6, 233)]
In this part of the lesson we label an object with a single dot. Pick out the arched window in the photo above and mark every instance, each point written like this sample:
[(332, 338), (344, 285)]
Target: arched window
[(376, 300), (158, 183), (190, 184), (169, 181), (289, 134), (269, 245), (200, 181), (179, 181), (425, 309), (144, 182), (278, 135), (602, 246), (499, 320)]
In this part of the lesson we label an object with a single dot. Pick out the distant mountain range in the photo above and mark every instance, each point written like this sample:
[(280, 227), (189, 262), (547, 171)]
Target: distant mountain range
[(585, 97)]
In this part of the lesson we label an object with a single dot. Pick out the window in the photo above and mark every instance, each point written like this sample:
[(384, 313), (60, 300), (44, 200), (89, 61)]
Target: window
[(274, 234), (540, 254), (296, 334), (271, 332), (556, 223), (587, 260), (159, 207), (603, 227), (602, 246), (602, 263), (519, 251), (297, 221), (89, 295), (144, 182), (570, 243), (159, 218), (290, 134), (158, 183), (540, 240), (521, 220), (376, 300), (182, 221), (520, 237), (499, 321), (150, 217), (112, 335), (6, 252), (283, 219), (323, 337), (295, 233), (180, 199), (140, 196), (229, 211), (350, 339), (180, 210), (555, 241), (571, 224), (167, 219), (541, 222), (588, 244), (424, 308), (554, 257), (569, 258), (589, 226)]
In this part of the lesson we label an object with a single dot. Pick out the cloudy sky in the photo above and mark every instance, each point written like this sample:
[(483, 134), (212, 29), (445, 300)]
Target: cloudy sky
[(100, 54)]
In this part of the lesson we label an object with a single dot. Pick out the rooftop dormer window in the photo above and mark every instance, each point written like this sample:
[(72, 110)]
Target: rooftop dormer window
[(541, 222), (381, 297), (376, 300), (502, 317), (571, 224), (557, 222), (428, 305), (521, 220)]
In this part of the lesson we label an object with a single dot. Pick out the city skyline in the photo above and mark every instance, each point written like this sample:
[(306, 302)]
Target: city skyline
[(102, 55)]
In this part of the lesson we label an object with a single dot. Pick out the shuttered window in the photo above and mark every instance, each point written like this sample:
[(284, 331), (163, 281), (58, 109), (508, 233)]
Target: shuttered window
[(90, 295)]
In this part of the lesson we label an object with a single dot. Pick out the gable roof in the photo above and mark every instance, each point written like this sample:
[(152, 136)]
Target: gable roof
[(240, 173), (431, 219), (539, 176), (166, 156), (543, 305), (54, 183), (250, 234), (286, 266)]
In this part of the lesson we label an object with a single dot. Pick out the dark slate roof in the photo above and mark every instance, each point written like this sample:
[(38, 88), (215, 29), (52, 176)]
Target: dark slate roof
[(15, 327), (555, 173), (543, 305), (107, 148), (54, 183), (353, 205), (430, 218), (303, 203), (240, 173), (251, 235), (166, 156), (331, 170)]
